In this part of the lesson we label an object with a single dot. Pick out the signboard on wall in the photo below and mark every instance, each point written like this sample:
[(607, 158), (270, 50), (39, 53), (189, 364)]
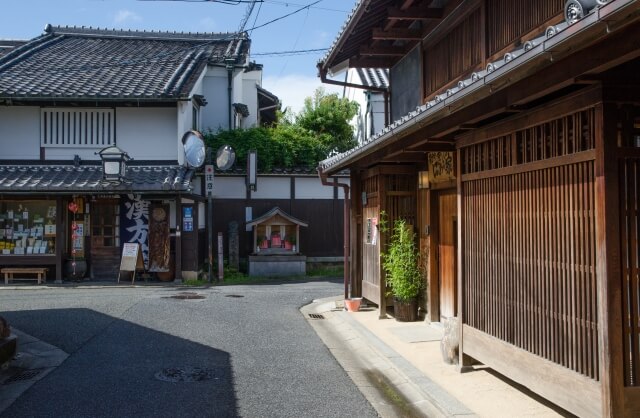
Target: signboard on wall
[(441, 167), (134, 223)]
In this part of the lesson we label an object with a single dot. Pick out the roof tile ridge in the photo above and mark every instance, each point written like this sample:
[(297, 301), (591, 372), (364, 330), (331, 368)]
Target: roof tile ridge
[(137, 33), (183, 71), (27, 49)]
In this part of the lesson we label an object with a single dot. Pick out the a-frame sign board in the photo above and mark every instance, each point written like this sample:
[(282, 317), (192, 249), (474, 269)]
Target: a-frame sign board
[(131, 260)]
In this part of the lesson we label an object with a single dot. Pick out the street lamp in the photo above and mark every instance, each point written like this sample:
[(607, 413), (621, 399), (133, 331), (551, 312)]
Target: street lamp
[(114, 163)]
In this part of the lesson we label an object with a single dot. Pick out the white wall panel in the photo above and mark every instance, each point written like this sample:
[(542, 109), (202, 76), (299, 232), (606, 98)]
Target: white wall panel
[(312, 188), (148, 133), (19, 132), (215, 115), (273, 188), (229, 188)]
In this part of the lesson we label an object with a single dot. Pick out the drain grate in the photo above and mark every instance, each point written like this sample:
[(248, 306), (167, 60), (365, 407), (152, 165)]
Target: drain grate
[(184, 374), (233, 296), (22, 376), (187, 295), (316, 316)]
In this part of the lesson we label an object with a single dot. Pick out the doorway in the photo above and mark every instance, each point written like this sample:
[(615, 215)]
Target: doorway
[(105, 239), (446, 250)]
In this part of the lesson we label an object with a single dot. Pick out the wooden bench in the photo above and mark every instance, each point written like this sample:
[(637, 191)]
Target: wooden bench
[(10, 271)]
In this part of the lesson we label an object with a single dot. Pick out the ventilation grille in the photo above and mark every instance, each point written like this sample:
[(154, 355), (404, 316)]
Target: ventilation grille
[(93, 128)]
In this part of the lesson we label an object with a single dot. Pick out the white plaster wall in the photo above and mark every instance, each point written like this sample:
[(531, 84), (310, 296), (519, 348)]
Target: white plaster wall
[(19, 132), (312, 188), (215, 115), (147, 133), (251, 100), (229, 188), (202, 216), (273, 188)]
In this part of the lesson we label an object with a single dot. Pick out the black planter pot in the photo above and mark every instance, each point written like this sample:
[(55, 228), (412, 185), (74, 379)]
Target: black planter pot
[(405, 311), (80, 270)]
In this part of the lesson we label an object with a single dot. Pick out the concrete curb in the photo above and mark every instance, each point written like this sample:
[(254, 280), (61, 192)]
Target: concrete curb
[(392, 385)]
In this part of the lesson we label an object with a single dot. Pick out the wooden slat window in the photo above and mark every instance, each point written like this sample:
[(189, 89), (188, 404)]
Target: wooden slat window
[(93, 128), (529, 256), (454, 55), (629, 232), (529, 241), (567, 135), (507, 22), (401, 198), (489, 155), (629, 191)]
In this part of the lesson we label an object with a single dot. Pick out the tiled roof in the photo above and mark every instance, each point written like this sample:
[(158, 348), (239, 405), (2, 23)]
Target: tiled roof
[(273, 212), (7, 45), (94, 64), (62, 178)]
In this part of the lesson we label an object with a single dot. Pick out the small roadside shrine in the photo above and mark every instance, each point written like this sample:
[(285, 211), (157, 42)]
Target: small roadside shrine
[(277, 250)]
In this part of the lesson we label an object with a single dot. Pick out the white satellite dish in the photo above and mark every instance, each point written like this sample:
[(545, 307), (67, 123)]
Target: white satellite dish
[(194, 149)]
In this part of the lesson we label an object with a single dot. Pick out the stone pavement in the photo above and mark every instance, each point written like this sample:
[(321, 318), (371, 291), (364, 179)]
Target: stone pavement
[(399, 368)]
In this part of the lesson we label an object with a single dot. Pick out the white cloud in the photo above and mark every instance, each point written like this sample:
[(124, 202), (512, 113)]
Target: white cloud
[(126, 16), (292, 89)]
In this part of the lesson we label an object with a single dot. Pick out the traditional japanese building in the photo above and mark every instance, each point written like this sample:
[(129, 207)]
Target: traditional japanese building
[(514, 153)]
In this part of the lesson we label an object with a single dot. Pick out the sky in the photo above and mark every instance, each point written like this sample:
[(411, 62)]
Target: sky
[(291, 78)]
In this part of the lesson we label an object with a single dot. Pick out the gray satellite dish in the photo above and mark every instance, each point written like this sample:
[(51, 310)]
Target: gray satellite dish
[(225, 157), (194, 149)]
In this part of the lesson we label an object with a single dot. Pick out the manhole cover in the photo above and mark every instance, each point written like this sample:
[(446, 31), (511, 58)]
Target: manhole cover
[(184, 374), (233, 296), (22, 376), (315, 316), (187, 295)]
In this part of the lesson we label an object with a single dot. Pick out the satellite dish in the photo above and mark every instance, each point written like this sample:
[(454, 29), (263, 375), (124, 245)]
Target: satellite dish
[(194, 149), (225, 157)]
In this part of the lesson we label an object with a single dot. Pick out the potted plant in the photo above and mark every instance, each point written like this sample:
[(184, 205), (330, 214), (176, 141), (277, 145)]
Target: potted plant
[(401, 264)]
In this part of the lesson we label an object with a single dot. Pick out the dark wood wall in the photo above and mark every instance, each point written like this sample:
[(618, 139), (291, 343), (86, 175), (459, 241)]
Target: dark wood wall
[(482, 32)]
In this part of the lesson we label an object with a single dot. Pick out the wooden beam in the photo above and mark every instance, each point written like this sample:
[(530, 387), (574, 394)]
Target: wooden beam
[(414, 13), (396, 34), (383, 51)]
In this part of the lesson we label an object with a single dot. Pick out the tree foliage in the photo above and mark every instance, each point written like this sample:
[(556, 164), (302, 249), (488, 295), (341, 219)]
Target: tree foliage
[(328, 115), (302, 140)]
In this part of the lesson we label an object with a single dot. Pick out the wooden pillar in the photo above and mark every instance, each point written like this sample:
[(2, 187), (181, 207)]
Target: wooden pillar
[(382, 244), (355, 250), (434, 278), (178, 238), (608, 267), (60, 237), (464, 360)]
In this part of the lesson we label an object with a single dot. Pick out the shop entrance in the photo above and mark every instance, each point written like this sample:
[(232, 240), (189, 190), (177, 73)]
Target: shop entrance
[(105, 239)]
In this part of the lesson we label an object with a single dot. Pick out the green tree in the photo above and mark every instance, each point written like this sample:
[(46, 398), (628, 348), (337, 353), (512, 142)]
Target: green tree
[(301, 140), (328, 116)]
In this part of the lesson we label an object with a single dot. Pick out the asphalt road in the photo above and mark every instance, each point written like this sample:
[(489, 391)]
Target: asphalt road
[(261, 357)]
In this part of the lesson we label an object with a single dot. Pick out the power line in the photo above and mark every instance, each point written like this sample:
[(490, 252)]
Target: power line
[(287, 3), (289, 53)]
